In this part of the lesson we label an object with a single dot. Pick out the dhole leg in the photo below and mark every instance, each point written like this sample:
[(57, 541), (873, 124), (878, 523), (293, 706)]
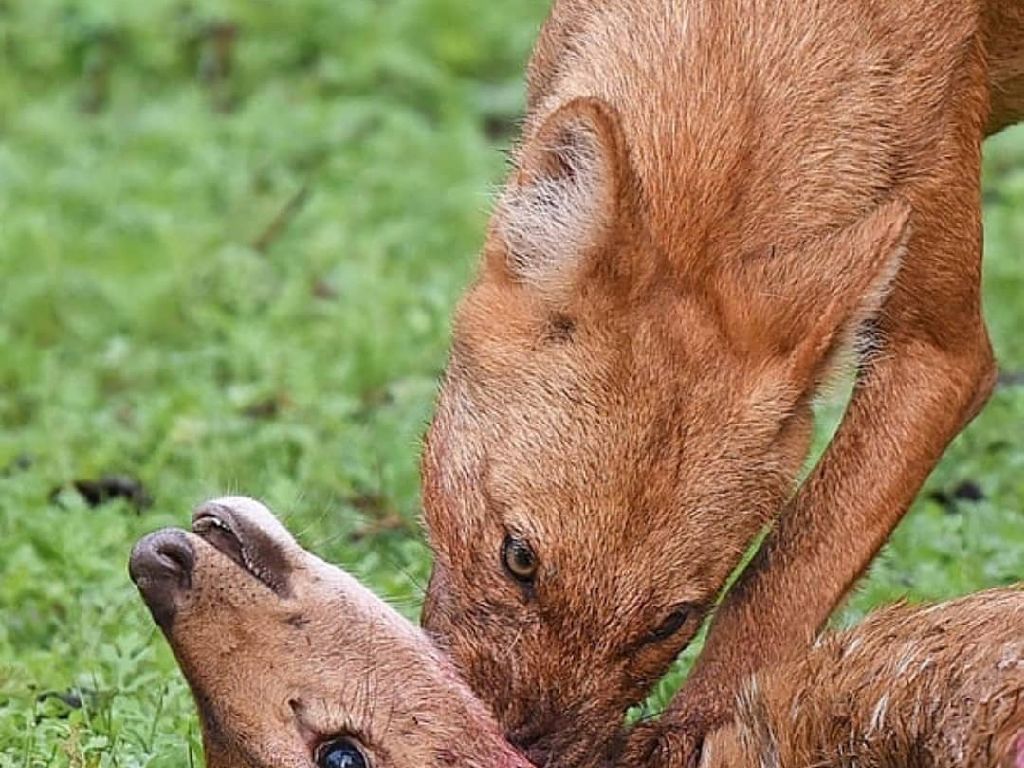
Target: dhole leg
[(901, 417), (933, 373)]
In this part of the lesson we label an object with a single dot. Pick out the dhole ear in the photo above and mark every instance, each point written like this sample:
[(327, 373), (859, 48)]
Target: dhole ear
[(565, 198), (804, 307)]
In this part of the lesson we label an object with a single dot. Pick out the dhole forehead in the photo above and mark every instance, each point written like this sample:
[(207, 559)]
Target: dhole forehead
[(479, 483), (501, 330), (504, 329), (498, 317), (638, 386), (497, 378), (539, 414), (656, 369)]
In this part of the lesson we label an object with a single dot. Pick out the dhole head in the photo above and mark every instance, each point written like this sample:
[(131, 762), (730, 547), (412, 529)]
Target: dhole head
[(293, 664), (622, 411)]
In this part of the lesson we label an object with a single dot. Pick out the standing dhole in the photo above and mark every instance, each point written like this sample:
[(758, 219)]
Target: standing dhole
[(714, 203)]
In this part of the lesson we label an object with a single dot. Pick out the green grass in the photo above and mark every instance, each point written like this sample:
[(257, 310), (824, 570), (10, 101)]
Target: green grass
[(142, 333)]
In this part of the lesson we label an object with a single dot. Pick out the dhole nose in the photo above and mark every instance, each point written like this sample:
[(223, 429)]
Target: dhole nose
[(161, 566)]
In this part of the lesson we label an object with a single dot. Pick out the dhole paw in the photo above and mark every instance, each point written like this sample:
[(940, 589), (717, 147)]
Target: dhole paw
[(665, 743)]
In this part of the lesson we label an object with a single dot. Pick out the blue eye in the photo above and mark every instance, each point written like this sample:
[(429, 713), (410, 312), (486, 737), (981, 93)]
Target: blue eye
[(340, 753)]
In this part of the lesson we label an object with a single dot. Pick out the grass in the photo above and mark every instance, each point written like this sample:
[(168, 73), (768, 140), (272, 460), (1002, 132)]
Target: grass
[(219, 281)]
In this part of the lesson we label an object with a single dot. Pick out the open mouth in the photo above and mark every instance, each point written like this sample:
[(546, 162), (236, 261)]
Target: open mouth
[(244, 544)]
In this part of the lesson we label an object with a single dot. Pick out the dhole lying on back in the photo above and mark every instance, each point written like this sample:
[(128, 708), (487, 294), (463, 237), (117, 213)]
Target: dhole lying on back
[(294, 664)]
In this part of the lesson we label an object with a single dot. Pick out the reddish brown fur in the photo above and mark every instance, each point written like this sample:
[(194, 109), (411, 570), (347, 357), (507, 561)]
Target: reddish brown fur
[(277, 671), (932, 687), (709, 200)]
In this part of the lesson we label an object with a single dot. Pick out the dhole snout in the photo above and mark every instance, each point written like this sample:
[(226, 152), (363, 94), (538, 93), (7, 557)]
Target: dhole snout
[(161, 566), (162, 563)]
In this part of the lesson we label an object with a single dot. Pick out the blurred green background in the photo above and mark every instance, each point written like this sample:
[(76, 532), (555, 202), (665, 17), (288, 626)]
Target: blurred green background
[(231, 235)]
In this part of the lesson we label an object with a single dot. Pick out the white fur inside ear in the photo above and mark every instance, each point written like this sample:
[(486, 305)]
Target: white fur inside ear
[(551, 220), (860, 342)]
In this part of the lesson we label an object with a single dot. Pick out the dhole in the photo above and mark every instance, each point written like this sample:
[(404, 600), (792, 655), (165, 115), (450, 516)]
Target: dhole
[(712, 204), (294, 664)]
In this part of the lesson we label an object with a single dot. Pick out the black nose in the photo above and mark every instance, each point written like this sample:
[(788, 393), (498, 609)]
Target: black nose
[(161, 567)]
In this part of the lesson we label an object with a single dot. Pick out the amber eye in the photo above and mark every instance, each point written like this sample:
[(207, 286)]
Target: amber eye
[(519, 559), (340, 753), (672, 623)]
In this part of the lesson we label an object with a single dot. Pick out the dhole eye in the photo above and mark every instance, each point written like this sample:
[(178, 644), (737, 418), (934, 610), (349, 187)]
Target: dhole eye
[(519, 559), (340, 753), (672, 623)]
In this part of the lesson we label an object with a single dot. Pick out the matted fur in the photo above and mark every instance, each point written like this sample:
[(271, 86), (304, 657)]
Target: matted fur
[(927, 686)]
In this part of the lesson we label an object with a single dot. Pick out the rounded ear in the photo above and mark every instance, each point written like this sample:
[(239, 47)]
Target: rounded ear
[(803, 306), (566, 196), (863, 261)]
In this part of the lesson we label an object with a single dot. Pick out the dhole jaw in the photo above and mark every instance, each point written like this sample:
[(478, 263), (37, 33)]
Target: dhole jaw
[(631, 411), (287, 655)]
